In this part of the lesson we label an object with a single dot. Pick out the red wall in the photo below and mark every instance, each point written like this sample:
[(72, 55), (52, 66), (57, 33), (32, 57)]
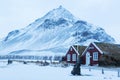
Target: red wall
[(71, 52), (91, 54)]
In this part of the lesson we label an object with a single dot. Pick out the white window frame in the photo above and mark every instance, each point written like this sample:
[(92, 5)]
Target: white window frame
[(95, 56), (74, 57), (68, 57)]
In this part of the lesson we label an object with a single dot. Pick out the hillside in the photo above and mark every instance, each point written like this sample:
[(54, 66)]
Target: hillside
[(52, 34)]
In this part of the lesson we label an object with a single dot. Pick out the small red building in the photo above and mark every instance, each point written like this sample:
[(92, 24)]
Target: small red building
[(95, 52), (74, 53)]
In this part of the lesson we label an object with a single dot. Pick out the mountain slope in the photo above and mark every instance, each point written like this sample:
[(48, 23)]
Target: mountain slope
[(53, 33)]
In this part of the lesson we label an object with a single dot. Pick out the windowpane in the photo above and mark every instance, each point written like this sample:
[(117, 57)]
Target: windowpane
[(74, 57), (70, 49), (91, 47), (68, 57), (95, 56)]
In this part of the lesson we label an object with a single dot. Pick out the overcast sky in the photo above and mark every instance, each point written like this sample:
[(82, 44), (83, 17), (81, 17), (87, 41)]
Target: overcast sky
[(16, 14)]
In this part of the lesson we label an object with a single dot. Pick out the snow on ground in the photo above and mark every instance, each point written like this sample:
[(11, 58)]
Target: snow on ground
[(20, 71)]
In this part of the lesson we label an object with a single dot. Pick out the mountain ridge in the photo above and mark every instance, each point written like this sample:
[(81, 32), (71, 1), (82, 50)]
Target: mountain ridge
[(54, 32)]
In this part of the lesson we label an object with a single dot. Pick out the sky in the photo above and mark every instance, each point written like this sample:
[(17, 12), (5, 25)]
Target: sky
[(17, 14)]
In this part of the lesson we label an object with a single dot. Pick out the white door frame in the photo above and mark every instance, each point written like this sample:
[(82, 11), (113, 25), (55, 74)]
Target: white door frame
[(87, 58)]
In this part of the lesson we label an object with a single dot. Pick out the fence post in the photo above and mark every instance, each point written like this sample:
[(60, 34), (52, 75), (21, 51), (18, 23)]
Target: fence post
[(102, 71), (89, 68), (118, 73)]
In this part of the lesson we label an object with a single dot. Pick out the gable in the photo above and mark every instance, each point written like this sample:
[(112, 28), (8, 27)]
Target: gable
[(72, 50), (99, 49), (76, 49), (92, 48)]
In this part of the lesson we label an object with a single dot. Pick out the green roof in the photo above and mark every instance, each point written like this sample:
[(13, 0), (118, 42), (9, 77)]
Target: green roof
[(79, 48), (109, 48)]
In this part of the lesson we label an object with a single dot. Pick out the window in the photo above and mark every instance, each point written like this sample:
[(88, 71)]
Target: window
[(74, 57), (68, 57), (95, 56), (91, 47), (70, 49)]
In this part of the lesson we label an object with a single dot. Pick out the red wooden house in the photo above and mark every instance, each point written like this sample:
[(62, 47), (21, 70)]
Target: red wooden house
[(74, 53), (95, 52)]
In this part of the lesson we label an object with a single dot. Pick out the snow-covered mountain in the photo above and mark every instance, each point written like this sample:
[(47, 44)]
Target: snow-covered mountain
[(53, 33)]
